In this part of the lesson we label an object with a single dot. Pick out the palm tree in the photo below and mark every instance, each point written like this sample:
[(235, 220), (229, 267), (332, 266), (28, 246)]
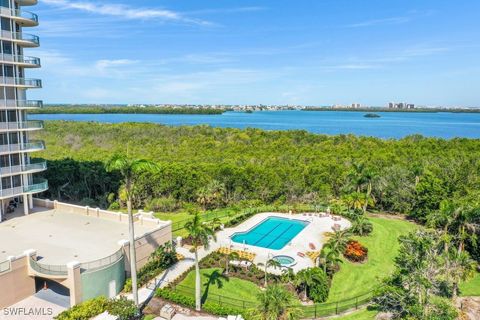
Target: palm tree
[(329, 260), (305, 279), (276, 303), (461, 268), (200, 234), (269, 263), (129, 169), (362, 226), (230, 256), (338, 241)]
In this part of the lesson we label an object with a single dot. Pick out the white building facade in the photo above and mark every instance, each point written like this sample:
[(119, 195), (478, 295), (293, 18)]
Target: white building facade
[(17, 170)]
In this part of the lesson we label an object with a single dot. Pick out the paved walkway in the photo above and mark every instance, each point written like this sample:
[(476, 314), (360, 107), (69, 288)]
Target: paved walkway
[(174, 271)]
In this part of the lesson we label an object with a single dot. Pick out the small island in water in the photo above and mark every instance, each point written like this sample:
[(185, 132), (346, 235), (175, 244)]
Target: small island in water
[(371, 115)]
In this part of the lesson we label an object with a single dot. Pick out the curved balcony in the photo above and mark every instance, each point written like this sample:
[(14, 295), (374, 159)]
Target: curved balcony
[(20, 82), (37, 186), (20, 104), (24, 169), (23, 18), (22, 61), (32, 146), (26, 2), (29, 125), (22, 39)]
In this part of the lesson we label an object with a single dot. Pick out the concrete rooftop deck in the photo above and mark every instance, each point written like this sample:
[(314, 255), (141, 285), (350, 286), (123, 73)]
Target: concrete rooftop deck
[(61, 237)]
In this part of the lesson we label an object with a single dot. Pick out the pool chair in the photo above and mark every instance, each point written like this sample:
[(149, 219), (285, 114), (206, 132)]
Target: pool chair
[(312, 246), (301, 254)]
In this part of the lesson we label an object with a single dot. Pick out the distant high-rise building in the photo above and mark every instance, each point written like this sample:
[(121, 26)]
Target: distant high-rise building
[(17, 182)]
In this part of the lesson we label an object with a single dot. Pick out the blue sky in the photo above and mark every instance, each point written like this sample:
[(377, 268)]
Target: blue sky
[(311, 52)]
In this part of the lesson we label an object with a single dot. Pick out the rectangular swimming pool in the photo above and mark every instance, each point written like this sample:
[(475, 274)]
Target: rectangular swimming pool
[(272, 233)]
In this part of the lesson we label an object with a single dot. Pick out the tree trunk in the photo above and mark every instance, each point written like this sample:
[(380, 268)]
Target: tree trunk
[(369, 191), (265, 276), (133, 256), (198, 302)]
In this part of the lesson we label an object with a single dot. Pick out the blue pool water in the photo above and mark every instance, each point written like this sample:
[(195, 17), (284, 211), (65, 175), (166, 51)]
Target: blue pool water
[(272, 233)]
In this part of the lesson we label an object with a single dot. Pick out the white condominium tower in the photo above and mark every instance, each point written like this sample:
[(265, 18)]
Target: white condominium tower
[(17, 181)]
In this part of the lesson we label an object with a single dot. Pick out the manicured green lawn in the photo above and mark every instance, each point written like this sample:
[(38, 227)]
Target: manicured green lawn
[(354, 279), (214, 283), (360, 315), (471, 287)]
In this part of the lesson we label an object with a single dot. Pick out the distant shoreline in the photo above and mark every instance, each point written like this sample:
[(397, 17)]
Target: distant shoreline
[(123, 110), (423, 110), (85, 109)]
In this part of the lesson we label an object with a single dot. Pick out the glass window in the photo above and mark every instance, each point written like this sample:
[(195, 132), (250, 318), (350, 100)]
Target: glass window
[(6, 183), (6, 24), (4, 161), (15, 159), (13, 138), (17, 181), (5, 3), (7, 47)]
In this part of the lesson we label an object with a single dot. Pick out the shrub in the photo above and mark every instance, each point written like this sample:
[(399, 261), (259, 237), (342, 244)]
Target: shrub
[(123, 308), (164, 204), (355, 251), (114, 206), (162, 258), (314, 282), (84, 310), (175, 297), (361, 226)]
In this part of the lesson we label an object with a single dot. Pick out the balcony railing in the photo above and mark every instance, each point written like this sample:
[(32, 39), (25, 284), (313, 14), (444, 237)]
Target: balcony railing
[(29, 40), (24, 125), (26, 168), (32, 18), (21, 104), (26, 147), (48, 269), (24, 60), (37, 186), (21, 82), (102, 263)]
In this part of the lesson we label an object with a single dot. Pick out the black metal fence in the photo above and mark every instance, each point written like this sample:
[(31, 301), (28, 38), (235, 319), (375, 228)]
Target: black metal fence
[(310, 311)]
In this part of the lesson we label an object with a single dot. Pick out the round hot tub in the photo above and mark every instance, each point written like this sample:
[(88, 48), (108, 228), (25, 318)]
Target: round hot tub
[(285, 261)]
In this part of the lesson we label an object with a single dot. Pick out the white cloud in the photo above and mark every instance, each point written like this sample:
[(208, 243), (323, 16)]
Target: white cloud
[(374, 22), (124, 11)]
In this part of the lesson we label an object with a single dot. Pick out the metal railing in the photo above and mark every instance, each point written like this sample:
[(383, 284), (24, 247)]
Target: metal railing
[(20, 36), (309, 311), (103, 262), (5, 266), (48, 269), (10, 81), (23, 125), (16, 58), (38, 185), (27, 15), (24, 104), (27, 147)]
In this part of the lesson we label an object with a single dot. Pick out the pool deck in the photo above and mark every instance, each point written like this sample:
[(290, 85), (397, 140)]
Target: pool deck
[(313, 233)]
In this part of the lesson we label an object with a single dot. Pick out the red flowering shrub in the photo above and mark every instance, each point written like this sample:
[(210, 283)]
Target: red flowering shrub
[(355, 251)]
